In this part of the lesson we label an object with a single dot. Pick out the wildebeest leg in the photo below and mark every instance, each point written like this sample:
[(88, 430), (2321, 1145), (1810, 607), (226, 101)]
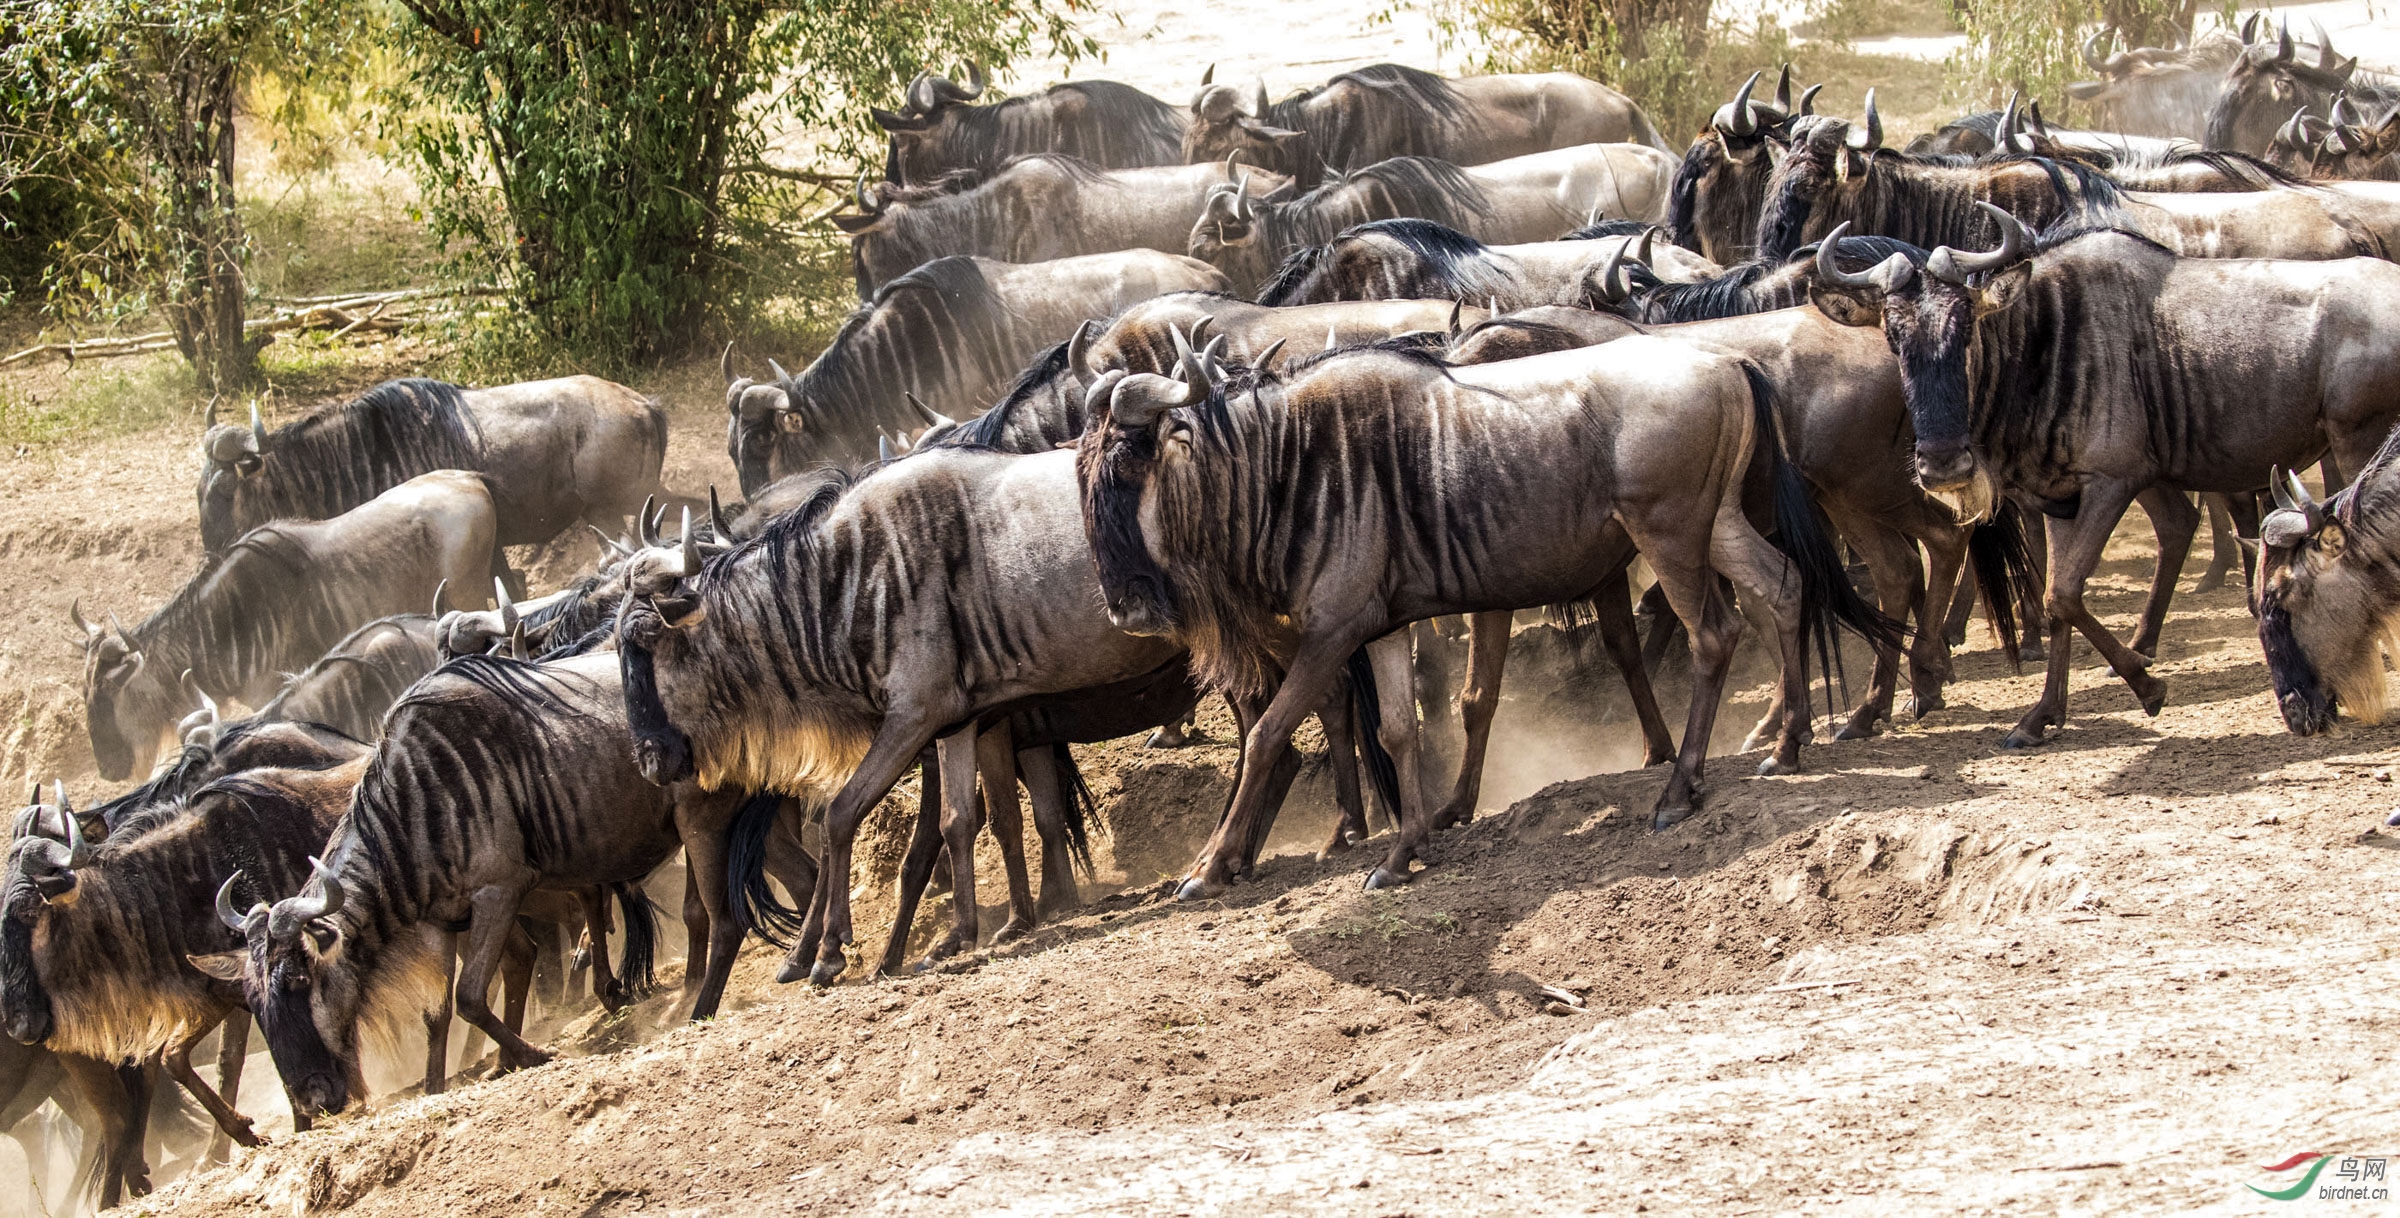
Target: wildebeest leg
[(1929, 653), (178, 1060), (996, 762), (1487, 659), (916, 869), (2075, 547), (703, 831), (2175, 521), (2224, 551), (1049, 795), (1173, 734), (1266, 748), (1393, 659), (488, 930), (2244, 510), (120, 1099), (788, 859), (516, 976), (1768, 587), (961, 819), (596, 923), (233, 1047), (1709, 623), (1962, 609), (549, 973), (1663, 625), (1612, 616), (437, 1021), (695, 928), (1899, 588), (897, 744), (2030, 647), (1341, 755)]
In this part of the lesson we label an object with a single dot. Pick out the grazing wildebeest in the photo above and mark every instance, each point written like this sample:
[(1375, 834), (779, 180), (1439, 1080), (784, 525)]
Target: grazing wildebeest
[(96, 941), (2163, 91), (1111, 125), (1385, 111), (2327, 595), (1032, 209), (825, 653), (1422, 260), (1527, 198), (2086, 369), (555, 453), (1280, 528), (2269, 80), (273, 602), (952, 330), (494, 778)]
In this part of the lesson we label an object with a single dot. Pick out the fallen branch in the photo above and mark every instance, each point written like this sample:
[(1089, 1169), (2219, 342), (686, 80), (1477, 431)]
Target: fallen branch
[(2105, 1163), (359, 300), (1811, 985)]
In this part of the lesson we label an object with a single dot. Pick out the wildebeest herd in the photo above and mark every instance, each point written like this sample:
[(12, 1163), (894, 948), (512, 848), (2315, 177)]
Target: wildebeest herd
[(1145, 402)]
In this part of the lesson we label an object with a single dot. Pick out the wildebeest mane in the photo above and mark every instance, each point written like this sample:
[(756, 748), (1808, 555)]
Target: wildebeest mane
[(340, 456), (943, 310), (1120, 125), (1610, 228), (1417, 186), (1755, 286), (1445, 264), (1392, 121), (989, 429), (1929, 209), (232, 621)]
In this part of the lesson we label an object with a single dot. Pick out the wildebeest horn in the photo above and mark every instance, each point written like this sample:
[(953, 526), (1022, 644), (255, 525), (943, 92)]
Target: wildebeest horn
[(716, 516), (897, 122), (1641, 253), (781, 377), (611, 544), (1331, 340), (932, 417), (2283, 42), (1808, 98), (75, 611), (1872, 135), (508, 606), (331, 904), (1079, 353), (690, 565), (883, 448), (225, 913), (1183, 345), (1275, 348), (645, 529), (2093, 48), (2335, 144), (79, 852), (1612, 275), (1458, 309), (725, 365), (1734, 117), (949, 91), (1955, 266), (865, 204), (1208, 77), (1263, 103), (2250, 27), (2280, 491), (921, 98), (197, 694), (441, 597), (1138, 399), (2034, 119), (1783, 90), (2326, 60), (258, 430), (1878, 278), (1200, 328), (2340, 113), (2008, 124)]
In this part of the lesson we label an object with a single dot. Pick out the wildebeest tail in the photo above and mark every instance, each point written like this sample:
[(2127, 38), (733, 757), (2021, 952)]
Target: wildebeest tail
[(1827, 599), (748, 899), (1082, 808), (2005, 571), (637, 968), (1381, 770)]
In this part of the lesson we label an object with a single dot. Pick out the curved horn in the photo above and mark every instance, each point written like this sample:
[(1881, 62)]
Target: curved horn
[(79, 852), (1263, 104), (950, 90), (2250, 27), (866, 203), (1955, 266), (1735, 118), (258, 430), (1612, 275), (1208, 77), (1079, 353), (716, 516), (1783, 90), (921, 96), (1828, 272), (1808, 98), (197, 694), (75, 611), (607, 543), (897, 122), (883, 449), (1873, 132), (2094, 51), (1641, 253), (2283, 43), (725, 364), (2010, 136), (781, 377), (691, 547), (932, 417), (1458, 310), (225, 912), (1152, 396), (1274, 349), (2341, 114), (645, 530), (1199, 334), (508, 607), (333, 889), (441, 597), (2326, 60), (1331, 339), (2280, 491)]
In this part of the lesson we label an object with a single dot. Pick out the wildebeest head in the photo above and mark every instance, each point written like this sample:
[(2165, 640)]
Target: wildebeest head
[(2265, 84), (2327, 592), (1228, 223), (300, 985), (229, 455), (1928, 316), (663, 586), (1222, 126), (1826, 157), (1713, 205), (1133, 439), (916, 127), (46, 850), (126, 707), (756, 412)]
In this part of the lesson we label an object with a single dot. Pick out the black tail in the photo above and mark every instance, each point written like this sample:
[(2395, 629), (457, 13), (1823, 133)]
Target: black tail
[(1827, 599), (1381, 770), (637, 969), (2005, 571), (1082, 808), (748, 900)]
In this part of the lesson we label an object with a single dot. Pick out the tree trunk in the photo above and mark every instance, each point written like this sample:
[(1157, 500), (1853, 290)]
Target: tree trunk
[(206, 298)]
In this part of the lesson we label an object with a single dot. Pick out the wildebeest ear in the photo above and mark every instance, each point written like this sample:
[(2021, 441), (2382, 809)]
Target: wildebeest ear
[(224, 966), (2002, 289), (1278, 135), (855, 224), (1844, 307)]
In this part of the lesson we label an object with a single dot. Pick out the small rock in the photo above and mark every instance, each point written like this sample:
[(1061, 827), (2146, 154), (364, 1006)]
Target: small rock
[(1559, 1008)]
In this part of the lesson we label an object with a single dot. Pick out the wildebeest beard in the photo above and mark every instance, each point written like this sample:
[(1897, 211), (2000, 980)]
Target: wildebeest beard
[(1933, 371), (1139, 595), (2300, 690), (1737, 190), (23, 1000), (660, 750)]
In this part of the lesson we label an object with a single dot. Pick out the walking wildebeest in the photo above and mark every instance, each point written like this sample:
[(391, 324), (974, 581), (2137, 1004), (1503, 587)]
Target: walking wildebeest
[(1111, 125), (554, 453), (2089, 367), (1422, 260), (1279, 527), (1522, 199), (273, 602), (1032, 209), (2328, 595), (952, 330), (1385, 111)]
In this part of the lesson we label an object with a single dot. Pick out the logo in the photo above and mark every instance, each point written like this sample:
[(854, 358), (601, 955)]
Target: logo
[(2353, 1172)]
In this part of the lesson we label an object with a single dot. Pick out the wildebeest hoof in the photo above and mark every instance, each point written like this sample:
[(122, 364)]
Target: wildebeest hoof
[(2209, 583), (826, 972), (1956, 638), (1919, 707), (1776, 765), (2032, 653), (2025, 738), (1857, 729), (1669, 816), (1198, 888), (521, 1061), (1012, 930), (1167, 738), (1385, 877)]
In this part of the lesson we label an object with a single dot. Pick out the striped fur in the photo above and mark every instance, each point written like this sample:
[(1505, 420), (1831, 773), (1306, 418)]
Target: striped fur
[(350, 687), (338, 458), (1108, 124), (1421, 187)]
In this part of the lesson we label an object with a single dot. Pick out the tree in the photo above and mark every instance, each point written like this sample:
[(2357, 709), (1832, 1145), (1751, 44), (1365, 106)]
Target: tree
[(131, 104), (607, 158)]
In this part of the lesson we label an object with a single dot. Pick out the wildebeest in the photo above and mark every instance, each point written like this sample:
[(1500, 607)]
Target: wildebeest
[(2087, 369), (96, 940), (953, 330), (1385, 111), (2342, 145), (2268, 81), (1108, 124), (1527, 198), (1422, 260), (2166, 91), (826, 653), (494, 778), (555, 453), (1032, 209), (2327, 595), (1718, 188), (275, 601), (350, 687), (1278, 528)]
